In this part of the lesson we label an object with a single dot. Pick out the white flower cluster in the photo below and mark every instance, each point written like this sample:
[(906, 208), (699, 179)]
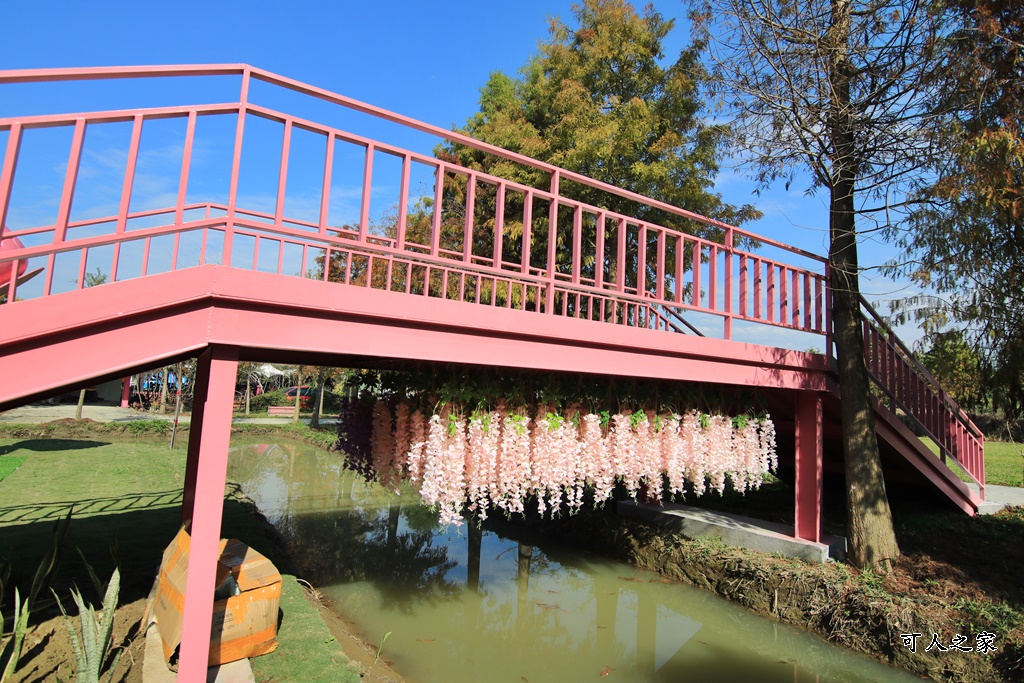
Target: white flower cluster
[(502, 458)]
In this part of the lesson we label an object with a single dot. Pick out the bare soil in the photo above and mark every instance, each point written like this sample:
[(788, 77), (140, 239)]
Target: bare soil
[(48, 655)]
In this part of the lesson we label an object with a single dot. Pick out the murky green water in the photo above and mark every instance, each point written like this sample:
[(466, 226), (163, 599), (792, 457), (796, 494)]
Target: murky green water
[(496, 605)]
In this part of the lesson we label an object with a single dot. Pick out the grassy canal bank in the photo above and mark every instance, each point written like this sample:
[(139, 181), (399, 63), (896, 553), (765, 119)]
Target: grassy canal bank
[(959, 575), (125, 488)]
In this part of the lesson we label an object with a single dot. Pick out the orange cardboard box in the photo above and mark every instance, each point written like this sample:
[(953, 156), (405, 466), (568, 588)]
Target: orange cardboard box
[(244, 625)]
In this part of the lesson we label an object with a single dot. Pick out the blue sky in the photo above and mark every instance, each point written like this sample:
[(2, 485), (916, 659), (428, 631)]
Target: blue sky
[(425, 60)]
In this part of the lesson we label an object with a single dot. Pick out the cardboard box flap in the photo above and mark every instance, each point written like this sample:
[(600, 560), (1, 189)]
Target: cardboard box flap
[(250, 569), (169, 604), (243, 625)]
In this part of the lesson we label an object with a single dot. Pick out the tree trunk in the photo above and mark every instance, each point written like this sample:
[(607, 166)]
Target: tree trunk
[(81, 402), (163, 391), (318, 401), (298, 398), (872, 540)]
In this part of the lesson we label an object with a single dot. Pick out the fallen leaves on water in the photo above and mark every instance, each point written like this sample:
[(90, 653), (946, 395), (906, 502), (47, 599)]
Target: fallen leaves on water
[(425, 640), (632, 578), (547, 606), (606, 671)]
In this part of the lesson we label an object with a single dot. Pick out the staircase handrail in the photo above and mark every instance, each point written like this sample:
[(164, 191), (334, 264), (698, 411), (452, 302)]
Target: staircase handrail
[(963, 440), (920, 369)]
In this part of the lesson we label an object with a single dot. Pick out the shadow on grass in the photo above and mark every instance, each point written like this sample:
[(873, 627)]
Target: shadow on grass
[(44, 445), (54, 510), (140, 535)]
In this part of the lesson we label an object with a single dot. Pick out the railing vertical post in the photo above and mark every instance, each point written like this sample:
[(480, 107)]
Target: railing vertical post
[(680, 253), (549, 298), (499, 230), (577, 243), (828, 311), (641, 261), (282, 172), (783, 295), (7, 173), (599, 252), (364, 204), (438, 208), (819, 304), (807, 302), (60, 229), (126, 192), (743, 285), (727, 266), (527, 232), (403, 201), (758, 289), (980, 466), (620, 258), (186, 163), (695, 274), (659, 271), (467, 230), (236, 165), (325, 191)]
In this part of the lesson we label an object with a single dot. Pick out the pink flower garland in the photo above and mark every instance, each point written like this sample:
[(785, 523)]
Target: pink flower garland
[(502, 458)]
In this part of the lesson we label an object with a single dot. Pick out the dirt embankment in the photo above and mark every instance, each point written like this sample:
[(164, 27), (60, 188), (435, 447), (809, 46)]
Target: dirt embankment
[(860, 610)]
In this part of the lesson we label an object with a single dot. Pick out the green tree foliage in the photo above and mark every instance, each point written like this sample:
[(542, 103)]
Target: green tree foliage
[(967, 241), (599, 99), (957, 366)]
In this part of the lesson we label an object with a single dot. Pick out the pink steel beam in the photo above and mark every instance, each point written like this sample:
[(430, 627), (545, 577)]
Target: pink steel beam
[(809, 454), (7, 173), (215, 389)]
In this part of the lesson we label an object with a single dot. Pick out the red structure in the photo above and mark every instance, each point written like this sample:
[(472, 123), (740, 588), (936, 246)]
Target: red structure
[(230, 277)]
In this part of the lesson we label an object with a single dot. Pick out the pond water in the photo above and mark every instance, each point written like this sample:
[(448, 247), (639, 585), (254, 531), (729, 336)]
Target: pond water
[(498, 605)]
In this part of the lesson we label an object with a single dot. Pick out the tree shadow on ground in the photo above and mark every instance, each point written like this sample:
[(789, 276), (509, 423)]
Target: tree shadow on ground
[(44, 445), (139, 535)]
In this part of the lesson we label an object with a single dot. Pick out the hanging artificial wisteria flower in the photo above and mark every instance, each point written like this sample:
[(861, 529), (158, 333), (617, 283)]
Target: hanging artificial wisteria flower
[(503, 458)]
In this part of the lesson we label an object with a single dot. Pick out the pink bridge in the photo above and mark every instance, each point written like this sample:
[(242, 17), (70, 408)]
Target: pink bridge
[(386, 254)]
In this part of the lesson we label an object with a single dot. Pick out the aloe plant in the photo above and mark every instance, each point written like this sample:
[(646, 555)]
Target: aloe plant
[(43, 576), (93, 645), (18, 637)]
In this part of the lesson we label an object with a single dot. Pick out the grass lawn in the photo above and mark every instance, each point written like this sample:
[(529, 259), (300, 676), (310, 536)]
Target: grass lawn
[(1004, 462), (9, 463), (128, 494)]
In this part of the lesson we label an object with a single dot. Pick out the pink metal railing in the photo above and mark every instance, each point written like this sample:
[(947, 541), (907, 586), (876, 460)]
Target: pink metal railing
[(633, 272), (650, 271), (911, 388)]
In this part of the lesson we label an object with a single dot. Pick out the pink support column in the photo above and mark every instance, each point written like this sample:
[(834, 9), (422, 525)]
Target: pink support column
[(807, 515), (126, 391), (195, 439), (204, 497)]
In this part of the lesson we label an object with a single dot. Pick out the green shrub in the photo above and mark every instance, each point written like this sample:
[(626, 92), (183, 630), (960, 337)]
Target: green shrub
[(261, 402)]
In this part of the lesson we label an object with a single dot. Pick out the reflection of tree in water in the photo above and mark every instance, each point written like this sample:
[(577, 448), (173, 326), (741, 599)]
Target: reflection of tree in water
[(351, 545)]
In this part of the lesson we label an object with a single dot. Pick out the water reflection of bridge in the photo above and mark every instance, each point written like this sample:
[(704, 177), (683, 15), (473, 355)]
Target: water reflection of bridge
[(352, 251), (501, 599)]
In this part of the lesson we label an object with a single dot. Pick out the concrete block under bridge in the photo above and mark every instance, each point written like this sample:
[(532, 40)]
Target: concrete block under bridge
[(736, 530)]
